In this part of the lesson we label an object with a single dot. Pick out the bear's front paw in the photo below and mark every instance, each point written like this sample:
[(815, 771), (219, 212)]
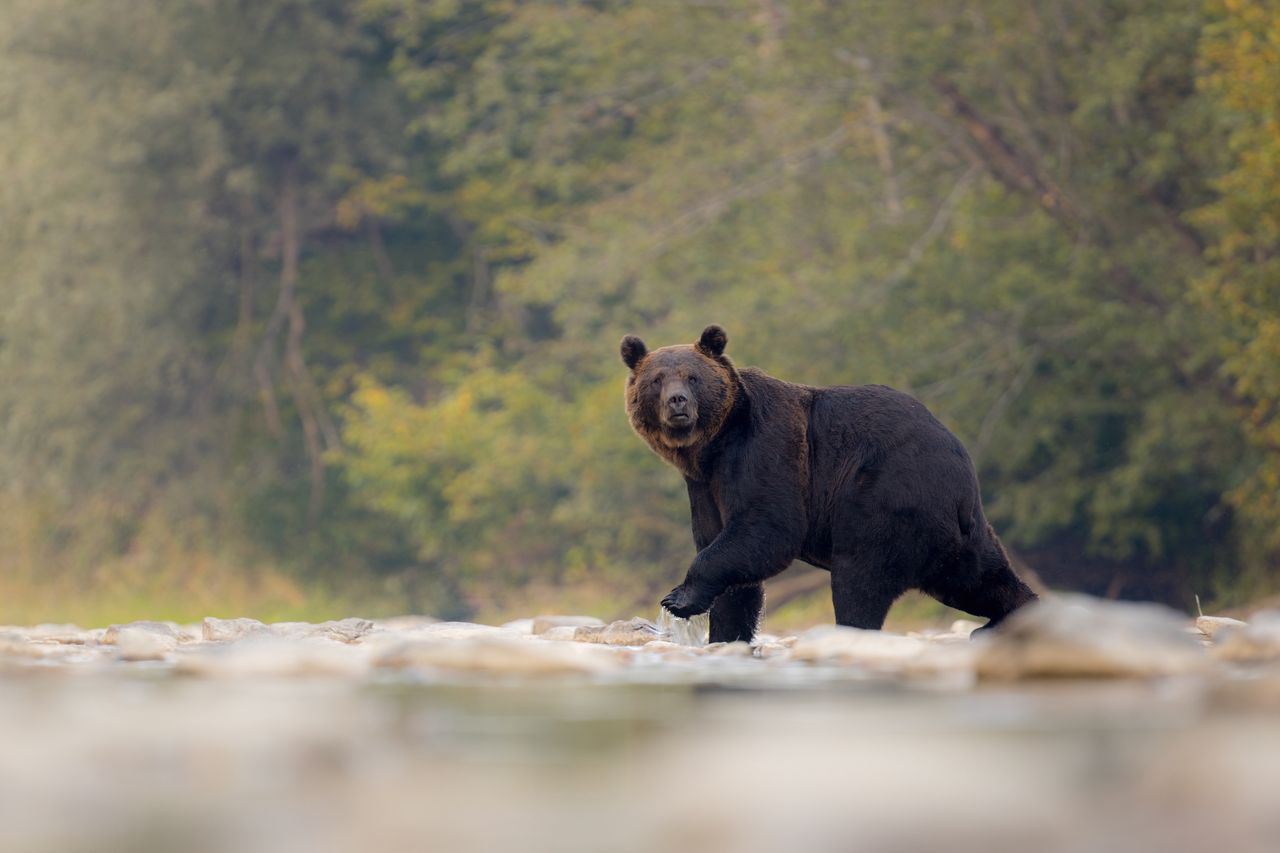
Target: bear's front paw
[(684, 601)]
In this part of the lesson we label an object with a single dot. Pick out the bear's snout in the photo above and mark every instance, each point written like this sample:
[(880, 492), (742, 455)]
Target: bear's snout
[(679, 408)]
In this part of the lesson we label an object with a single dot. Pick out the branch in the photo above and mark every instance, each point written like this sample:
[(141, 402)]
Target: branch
[(1006, 163)]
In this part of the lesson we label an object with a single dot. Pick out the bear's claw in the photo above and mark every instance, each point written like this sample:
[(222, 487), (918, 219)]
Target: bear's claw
[(685, 602)]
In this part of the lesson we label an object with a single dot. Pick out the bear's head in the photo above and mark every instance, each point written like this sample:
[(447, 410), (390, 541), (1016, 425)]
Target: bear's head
[(679, 396)]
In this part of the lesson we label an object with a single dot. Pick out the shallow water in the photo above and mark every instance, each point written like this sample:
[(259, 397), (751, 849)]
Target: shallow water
[(686, 632), (676, 749)]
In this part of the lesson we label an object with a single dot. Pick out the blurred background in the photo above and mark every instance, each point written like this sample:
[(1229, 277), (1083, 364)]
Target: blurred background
[(311, 307)]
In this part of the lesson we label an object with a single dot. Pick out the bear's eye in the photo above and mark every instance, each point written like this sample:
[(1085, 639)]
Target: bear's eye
[(657, 380), (693, 380)]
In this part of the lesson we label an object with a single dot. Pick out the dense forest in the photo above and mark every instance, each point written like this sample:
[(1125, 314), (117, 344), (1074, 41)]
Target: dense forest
[(314, 304)]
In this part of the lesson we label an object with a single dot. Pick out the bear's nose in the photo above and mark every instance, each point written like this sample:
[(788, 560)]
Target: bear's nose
[(677, 401)]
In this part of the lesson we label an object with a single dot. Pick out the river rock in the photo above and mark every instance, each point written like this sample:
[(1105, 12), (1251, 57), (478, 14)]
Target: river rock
[(667, 648), (1256, 640), (168, 629), (841, 644), (736, 649), (631, 632), (500, 656), (404, 623), (563, 632), (342, 630), (457, 631), (1210, 626), (774, 650), (1081, 637), (225, 630), (66, 634), (264, 654), (543, 624), (144, 642)]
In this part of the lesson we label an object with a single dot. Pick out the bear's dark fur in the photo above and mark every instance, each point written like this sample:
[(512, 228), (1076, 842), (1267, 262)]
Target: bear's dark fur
[(860, 480)]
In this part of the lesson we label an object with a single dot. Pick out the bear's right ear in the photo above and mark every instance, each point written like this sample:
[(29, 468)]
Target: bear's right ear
[(633, 349)]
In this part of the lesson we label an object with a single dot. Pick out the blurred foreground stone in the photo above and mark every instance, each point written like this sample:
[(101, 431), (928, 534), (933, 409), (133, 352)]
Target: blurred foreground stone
[(1078, 637), (501, 655), (1257, 640)]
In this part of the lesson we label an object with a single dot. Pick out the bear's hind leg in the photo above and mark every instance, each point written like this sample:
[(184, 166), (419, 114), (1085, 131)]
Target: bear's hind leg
[(735, 614), (861, 592), (982, 583)]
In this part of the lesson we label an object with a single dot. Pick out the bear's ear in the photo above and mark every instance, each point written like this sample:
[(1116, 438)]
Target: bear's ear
[(633, 349), (713, 341)]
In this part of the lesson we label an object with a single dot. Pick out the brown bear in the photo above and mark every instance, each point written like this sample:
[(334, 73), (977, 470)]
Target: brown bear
[(859, 480)]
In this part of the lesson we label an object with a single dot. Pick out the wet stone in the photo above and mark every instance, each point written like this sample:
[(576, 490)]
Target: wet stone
[(224, 630), (1077, 637), (454, 631), (138, 643), (560, 633), (67, 634), (264, 655), (168, 629), (631, 632), (500, 656), (840, 644), (668, 648), (543, 624), (738, 649), (1210, 626), (404, 623), (342, 630), (1257, 640)]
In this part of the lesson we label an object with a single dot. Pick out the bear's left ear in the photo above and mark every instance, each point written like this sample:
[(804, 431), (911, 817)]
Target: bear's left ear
[(633, 349), (713, 341)]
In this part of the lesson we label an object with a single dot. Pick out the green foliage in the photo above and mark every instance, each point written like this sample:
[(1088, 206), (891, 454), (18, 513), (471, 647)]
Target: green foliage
[(1241, 56), (343, 280)]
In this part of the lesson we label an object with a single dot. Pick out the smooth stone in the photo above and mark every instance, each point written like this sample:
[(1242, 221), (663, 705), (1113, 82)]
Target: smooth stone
[(543, 624), (500, 656), (772, 650), (1211, 625), (168, 629), (841, 644), (630, 632), (348, 630), (666, 647), (955, 659), (1256, 640), (518, 626), (138, 643), (380, 640), (736, 649), (64, 633), (455, 631), (404, 623), (964, 626), (561, 633), (22, 648), (264, 654), (223, 630), (1082, 637)]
